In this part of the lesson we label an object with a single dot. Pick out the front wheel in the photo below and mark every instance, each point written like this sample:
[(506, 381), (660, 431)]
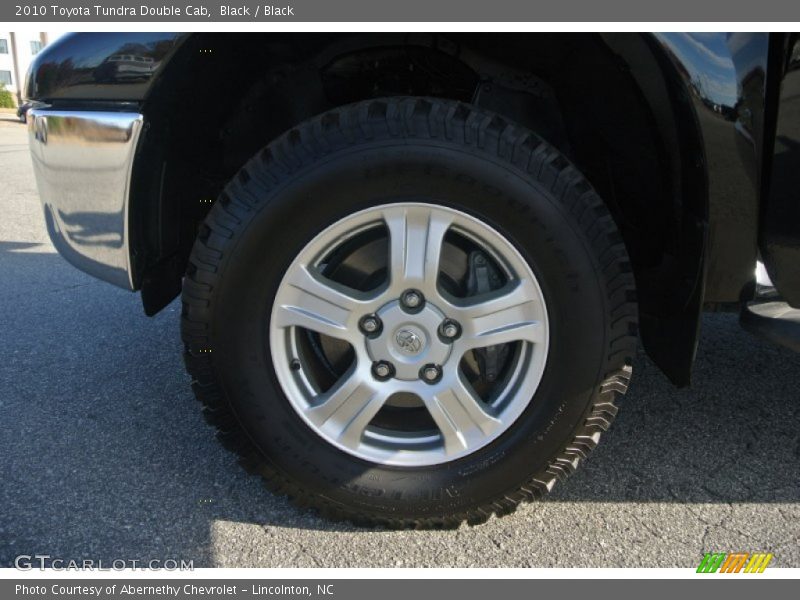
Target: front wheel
[(409, 312)]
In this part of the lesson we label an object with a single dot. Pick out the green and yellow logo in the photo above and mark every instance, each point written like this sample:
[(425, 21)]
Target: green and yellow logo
[(737, 562)]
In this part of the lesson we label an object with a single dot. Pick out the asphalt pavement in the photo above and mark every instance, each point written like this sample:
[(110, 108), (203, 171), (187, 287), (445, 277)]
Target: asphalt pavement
[(104, 453)]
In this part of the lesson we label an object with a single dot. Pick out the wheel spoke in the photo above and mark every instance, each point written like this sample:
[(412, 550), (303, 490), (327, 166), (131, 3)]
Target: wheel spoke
[(415, 245), (317, 304), (517, 331), (461, 416), (345, 411), (502, 316)]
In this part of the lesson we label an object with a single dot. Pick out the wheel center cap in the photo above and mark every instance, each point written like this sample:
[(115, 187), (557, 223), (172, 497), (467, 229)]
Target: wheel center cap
[(409, 341)]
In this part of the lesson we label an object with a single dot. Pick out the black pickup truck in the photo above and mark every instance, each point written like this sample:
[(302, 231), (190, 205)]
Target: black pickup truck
[(413, 267)]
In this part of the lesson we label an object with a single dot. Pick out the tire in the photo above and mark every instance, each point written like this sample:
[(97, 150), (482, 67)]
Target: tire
[(451, 157)]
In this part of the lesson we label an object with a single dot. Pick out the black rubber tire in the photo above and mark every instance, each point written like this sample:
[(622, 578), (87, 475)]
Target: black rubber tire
[(382, 151)]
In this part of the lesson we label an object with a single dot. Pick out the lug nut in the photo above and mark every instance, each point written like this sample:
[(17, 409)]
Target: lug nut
[(370, 325), (412, 299), (382, 370), (449, 329), (431, 373)]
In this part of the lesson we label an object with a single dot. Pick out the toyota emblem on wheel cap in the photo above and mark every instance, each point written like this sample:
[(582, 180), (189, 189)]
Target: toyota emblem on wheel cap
[(408, 341)]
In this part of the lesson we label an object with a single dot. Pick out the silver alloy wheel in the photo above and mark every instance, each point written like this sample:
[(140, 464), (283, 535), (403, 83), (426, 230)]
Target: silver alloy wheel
[(409, 340)]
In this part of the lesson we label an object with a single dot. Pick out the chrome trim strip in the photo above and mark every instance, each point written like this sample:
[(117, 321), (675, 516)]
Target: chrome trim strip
[(83, 162)]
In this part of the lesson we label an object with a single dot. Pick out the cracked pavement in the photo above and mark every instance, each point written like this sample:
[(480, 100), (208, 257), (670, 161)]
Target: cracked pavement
[(106, 456)]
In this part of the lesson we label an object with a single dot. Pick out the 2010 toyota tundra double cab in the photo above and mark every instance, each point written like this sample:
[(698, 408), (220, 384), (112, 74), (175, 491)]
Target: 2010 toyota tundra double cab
[(413, 268)]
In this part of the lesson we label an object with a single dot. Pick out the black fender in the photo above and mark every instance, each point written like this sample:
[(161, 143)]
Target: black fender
[(707, 94)]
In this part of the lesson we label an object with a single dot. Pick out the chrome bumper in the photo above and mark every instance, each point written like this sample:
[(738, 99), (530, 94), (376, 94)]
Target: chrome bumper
[(83, 161)]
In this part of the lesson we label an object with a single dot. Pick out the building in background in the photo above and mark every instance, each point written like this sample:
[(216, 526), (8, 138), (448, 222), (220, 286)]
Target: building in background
[(16, 54)]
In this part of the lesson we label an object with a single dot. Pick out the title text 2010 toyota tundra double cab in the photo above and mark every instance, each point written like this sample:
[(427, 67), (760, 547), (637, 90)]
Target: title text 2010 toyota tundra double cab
[(413, 267)]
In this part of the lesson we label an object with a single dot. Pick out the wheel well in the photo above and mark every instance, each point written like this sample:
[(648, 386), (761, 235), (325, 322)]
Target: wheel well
[(611, 103)]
